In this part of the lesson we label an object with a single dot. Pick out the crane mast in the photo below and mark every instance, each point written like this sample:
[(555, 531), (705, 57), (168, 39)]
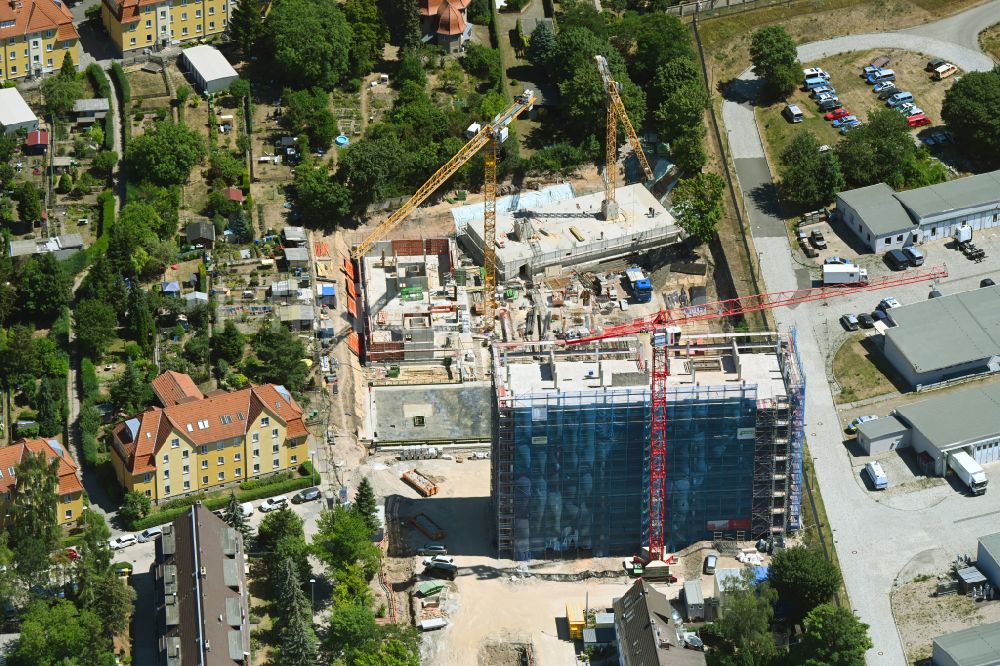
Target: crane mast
[(616, 113), (491, 134)]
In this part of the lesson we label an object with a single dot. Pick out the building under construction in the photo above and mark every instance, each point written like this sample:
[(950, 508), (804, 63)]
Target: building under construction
[(571, 447)]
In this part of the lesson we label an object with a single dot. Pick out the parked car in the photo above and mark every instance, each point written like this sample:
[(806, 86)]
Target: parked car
[(934, 64), (944, 71), (879, 315), (934, 294), (123, 541), (817, 239), (879, 87), (896, 260), (846, 120), (847, 128), (903, 108), (830, 105), (899, 98), (865, 320), (150, 534), (827, 97), (987, 282), (915, 256), (888, 303), (272, 503), (822, 90), (886, 93), (438, 559), (711, 562), (868, 70), (881, 76), (432, 549), (793, 113), (918, 120), (914, 111), (813, 72), (307, 495), (849, 322), (835, 260), (809, 250), (803, 236), (853, 425)]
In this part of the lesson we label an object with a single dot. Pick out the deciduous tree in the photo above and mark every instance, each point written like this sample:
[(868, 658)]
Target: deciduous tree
[(60, 93), (343, 538), (809, 177), (44, 287), (310, 42), (970, 109), (55, 633), (165, 153), (834, 637), (880, 151), (803, 578), (33, 526), (698, 205), (308, 112), (95, 323), (281, 536), (745, 623), (135, 506), (29, 202), (775, 60)]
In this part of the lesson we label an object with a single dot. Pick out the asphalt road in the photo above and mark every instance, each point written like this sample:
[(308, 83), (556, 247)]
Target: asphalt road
[(875, 542)]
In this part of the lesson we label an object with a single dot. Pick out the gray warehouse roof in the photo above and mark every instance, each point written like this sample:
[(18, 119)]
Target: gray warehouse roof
[(970, 192), (948, 331), (876, 205), (991, 542), (209, 62), (953, 419), (975, 646), (13, 109), (884, 427)]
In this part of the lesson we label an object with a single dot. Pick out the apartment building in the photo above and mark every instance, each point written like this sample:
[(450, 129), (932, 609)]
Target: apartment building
[(70, 490), (35, 35), (154, 24), (193, 442)]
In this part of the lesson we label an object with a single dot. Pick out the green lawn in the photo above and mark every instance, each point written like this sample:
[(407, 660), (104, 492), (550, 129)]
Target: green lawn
[(857, 371)]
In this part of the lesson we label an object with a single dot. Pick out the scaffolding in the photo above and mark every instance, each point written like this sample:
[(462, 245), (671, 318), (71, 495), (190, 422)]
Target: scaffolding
[(795, 383)]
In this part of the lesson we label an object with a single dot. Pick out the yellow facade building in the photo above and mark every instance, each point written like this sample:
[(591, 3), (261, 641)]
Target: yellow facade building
[(70, 490), (154, 24), (35, 36), (197, 443)]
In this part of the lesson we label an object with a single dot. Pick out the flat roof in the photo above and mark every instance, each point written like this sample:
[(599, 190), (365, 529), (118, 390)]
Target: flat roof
[(297, 254), (760, 369), (953, 419), (962, 193), (879, 209), (975, 646), (209, 62), (951, 330), (13, 109), (991, 543), (445, 410), (573, 376), (96, 104), (883, 427)]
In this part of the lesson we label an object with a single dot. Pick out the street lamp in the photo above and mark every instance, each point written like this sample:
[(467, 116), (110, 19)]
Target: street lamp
[(312, 592)]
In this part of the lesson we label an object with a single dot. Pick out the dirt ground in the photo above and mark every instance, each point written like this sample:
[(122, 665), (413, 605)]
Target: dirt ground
[(921, 616)]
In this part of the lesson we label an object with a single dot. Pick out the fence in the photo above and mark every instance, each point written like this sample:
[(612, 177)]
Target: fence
[(706, 9)]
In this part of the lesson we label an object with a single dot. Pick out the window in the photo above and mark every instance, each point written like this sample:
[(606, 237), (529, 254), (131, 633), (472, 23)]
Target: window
[(166, 475), (255, 438), (274, 433), (166, 458), (222, 476), (67, 499), (48, 47), (13, 56), (7, 24), (220, 446), (49, 62), (149, 23), (211, 11), (149, 38), (204, 464), (166, 490), (184, 16), (204, 480), (175, 443), (204, 449), (186, 469), (197, 13), (256, 469), (266, 421), (238, 472), (69, 513), (10, 471), (145, 478), (277, 463), (275, 448), (418, 421), (184, 454), (184, 30), (149, 494), (226, 419), (237, 457), (221, 460), (211, 25), (187, 485), (899, 239), (295, 459), (256, 453), (131, 41)]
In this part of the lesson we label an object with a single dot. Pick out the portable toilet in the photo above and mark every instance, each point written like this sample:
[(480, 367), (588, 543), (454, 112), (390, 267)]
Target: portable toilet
[(694, 601)]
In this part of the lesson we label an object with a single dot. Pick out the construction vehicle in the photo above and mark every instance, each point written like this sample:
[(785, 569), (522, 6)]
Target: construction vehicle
[(489, 136), (664, 330), (642, 288), (616, 114)]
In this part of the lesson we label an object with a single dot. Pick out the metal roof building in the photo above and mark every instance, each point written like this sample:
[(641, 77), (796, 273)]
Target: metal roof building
[(988, 557), (967, 420), (15, 113), (881, 435), (944, 338), (209, 68), (975, 646), (875, 216)]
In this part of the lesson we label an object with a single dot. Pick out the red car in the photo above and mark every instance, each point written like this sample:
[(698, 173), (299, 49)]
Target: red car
[(72, 553), (918, 120), (836, 114)]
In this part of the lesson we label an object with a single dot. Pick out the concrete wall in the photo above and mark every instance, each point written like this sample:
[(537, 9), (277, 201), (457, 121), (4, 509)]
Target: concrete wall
[(989, 564)]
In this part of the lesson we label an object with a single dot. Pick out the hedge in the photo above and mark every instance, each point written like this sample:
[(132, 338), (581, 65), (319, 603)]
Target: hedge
[(269, 490), (100, 80), (121, 81), (109, 132), (88, 378), (90, 449)]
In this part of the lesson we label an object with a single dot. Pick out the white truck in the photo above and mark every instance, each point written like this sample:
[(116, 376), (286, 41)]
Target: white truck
[(969, 471), (849, 274)]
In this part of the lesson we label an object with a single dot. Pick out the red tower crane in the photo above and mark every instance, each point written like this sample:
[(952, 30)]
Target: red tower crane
[(664, 325)]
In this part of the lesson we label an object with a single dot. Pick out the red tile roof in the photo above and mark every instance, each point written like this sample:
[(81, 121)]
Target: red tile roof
[(11, 455), (174, 388), (31, 16), (429, 7), (205, 420), (450, 20), (37, 138), (233, 194)]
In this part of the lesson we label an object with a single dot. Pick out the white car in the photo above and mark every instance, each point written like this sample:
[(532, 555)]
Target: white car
[(123, 541), (438, 559), (888, 303), (272, 503), (813, 72)]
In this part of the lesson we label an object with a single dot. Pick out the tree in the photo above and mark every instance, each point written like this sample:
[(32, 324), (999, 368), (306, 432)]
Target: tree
[(308, 112), (55, 633), (226, 167), (104, 163), (322, 201), (61, 92), (698, 205), (29, 203), (67, 69), (165, 153), (343, 538), (370, 29), (281, 536), (775, 59), (745, 623), (410, 69), (366, 506), (235, 518), (240, 225), (809, 177), (114, 603), (659, 39), (585, 100), (95, 557), (833, 637), (240, 88), (542, 46), (681, 109), (352, 628), (310, 41), (969, 108), (136, 505), (228, 343), (141, 324), (50, 401), (45, 287), (804, 579), (298, 640), (33, 526), (279, 355), (880, 151), (94, 322), (409, 24), (670, 77), (246, 27)]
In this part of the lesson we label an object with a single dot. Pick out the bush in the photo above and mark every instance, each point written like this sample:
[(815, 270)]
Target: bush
[(88, 379), (109, 132), (90, 449), (121, 81), (100, 80), (253, 484)]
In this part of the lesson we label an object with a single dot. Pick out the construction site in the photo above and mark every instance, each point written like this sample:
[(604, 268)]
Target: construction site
[(571, 460)]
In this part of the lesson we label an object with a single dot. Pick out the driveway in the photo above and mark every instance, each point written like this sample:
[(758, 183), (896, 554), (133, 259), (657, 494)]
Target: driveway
[(874, 542)]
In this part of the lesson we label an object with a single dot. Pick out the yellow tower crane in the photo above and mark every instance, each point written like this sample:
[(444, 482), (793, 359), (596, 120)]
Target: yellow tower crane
[(489, 136), (616, 113)]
